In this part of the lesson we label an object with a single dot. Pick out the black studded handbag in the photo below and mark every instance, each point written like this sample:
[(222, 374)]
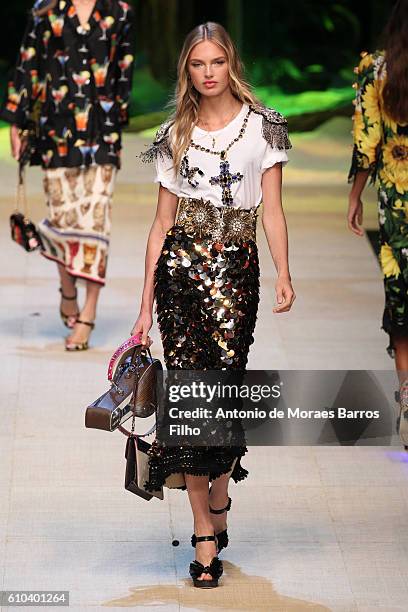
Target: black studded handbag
[(23, 231)]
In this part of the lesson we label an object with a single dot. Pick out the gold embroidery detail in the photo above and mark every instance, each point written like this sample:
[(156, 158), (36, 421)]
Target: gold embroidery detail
[(222, 224)]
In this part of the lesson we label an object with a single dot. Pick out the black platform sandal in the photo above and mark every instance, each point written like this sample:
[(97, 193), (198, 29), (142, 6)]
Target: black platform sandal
[(215, 568), (66, 318), (222, 536)]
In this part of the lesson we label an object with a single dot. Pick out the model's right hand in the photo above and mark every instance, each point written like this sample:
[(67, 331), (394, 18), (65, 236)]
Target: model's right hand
[(143, 323), (17, 144)]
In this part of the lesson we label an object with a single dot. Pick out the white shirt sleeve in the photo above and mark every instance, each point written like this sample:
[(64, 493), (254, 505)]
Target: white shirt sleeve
[(273, 156), (165, 174)]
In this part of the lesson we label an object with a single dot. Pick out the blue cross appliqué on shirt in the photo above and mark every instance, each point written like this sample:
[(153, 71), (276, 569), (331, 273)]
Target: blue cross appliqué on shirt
[(225, 179)]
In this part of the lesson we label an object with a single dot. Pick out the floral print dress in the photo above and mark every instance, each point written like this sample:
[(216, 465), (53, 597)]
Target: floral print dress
[(75, 81), (381, 147)]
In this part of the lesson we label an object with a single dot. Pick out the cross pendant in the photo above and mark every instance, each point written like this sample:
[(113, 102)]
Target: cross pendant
[(225, 179)]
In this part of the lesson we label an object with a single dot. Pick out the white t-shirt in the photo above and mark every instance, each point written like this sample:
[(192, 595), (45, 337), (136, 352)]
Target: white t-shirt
[(248, 158)]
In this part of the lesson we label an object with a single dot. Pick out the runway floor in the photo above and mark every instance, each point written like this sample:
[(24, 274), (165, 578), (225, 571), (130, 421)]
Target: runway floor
[(312, 528)]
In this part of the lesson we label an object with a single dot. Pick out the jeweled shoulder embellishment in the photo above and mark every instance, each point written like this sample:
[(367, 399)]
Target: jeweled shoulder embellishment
[(160, 145), (274, 127)]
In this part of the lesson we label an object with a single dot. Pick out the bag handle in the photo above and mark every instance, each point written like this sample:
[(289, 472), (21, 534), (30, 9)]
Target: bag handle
[(134, 340), (21, 195)]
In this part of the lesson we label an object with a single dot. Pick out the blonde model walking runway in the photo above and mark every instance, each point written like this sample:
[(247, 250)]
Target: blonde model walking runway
[(217, 158)]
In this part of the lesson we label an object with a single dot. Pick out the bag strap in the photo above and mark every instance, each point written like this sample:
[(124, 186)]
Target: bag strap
[(133, 435), (21, 195)]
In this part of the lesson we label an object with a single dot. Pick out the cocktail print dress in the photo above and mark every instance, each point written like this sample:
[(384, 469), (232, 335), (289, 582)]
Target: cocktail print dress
[(75, 82), (207, 274)]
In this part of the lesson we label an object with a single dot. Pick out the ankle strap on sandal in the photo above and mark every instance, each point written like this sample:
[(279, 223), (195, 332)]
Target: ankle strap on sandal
[(69, 298), (85, 323), (203, 538), (227, 507)]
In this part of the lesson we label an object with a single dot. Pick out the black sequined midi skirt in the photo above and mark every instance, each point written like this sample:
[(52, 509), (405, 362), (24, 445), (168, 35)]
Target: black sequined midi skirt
[(206, 287)]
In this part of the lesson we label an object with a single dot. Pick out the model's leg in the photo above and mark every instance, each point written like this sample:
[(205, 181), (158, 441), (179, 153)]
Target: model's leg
[(69, 307), (81, 332), (197, 487), (401, 358), (219, 499), (58, 208)]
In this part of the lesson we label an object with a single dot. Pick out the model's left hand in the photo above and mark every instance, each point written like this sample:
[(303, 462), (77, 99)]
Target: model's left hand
[(17, 142), (285, 295)]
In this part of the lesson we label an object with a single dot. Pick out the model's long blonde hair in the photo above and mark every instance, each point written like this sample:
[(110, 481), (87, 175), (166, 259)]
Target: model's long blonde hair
[(186, 99)]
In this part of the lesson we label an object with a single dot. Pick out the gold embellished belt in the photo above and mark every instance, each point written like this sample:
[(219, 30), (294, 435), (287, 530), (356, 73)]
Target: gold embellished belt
[(222, 224)]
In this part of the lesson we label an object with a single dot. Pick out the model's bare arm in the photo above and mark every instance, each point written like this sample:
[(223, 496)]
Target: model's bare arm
[(163, 221), (17, 143), (355, 209), (274, 224)]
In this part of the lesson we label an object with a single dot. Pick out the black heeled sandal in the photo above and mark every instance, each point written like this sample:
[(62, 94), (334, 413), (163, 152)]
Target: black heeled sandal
[(215, 569), (66, 318), (222, 536)]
